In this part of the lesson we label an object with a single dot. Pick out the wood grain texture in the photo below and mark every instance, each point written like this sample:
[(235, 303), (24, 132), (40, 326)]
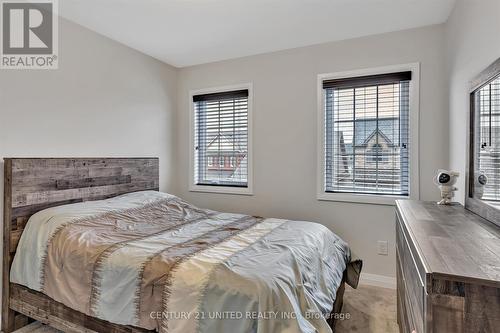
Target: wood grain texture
[(414, 299), (34, 184), (484, 209), (38, 184), (44, 309), (452, 241), (458, 255), (8, 315), (447, 313)]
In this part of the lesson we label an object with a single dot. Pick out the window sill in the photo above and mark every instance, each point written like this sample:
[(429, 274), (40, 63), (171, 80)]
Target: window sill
[(387, 200), (221, 189)]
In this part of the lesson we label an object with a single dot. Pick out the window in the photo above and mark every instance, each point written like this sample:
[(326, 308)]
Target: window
[(376, 154), (487, 151), (221, 136), (366, 134)]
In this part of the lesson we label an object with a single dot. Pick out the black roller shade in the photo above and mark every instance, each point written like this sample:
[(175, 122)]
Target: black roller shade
[(368, 80), (221, 96)]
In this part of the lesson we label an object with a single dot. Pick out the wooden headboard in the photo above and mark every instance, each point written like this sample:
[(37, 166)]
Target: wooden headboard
[(33, 184)]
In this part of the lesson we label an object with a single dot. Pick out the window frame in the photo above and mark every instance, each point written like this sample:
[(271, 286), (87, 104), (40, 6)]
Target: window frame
[(193, 187), (414, 194)]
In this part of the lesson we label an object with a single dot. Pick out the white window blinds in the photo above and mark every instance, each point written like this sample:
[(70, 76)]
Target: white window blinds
[(221, 139), (487, 129), (367, 134)]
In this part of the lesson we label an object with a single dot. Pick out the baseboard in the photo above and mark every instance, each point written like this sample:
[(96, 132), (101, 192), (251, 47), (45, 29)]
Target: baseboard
[(378, 280)]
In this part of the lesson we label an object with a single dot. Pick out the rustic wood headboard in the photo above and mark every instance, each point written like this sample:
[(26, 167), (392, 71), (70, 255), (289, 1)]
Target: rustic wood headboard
[(34, 184)]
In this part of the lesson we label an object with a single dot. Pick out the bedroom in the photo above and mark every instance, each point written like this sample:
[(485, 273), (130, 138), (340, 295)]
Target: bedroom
[(130, 77)]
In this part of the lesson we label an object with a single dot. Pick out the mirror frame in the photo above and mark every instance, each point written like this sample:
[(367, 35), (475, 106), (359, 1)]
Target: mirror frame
[(477, 206)]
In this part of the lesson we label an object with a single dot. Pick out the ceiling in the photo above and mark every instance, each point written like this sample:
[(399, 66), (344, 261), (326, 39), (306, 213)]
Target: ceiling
[(189, 32)]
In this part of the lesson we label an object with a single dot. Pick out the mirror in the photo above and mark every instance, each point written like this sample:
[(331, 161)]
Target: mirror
[(484, 145)]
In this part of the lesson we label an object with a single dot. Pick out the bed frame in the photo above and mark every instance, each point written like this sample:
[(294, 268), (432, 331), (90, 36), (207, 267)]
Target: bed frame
[(34, 184)]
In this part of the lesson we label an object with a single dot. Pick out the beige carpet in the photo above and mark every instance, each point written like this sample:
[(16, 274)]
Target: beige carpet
[(366, 310), (370, 309)]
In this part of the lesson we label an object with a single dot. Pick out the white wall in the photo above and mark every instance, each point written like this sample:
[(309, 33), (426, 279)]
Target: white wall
[(472, 43), (109, 100), (104, 100), (284, 131)]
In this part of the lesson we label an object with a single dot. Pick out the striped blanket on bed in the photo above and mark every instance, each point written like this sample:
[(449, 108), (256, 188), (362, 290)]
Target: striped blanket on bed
[(151, 260)]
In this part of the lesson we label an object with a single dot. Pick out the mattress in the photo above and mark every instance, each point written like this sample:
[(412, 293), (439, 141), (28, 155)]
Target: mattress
[(152, 260)]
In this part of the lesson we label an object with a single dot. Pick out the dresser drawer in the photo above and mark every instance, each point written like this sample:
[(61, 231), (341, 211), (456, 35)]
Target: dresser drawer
[(411, 276), (453, 251)]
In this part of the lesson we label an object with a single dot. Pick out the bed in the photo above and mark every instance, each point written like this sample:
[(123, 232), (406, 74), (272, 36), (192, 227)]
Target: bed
[(91, 245)]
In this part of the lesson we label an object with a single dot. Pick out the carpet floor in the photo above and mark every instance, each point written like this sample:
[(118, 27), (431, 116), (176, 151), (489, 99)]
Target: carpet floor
[(370, 309), (367, 309)]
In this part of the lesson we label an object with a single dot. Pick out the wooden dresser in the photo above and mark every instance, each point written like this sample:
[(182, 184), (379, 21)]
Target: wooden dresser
[(448, 269)]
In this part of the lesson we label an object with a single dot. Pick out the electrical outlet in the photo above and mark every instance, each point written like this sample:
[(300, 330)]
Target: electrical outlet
[(383, 248)]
